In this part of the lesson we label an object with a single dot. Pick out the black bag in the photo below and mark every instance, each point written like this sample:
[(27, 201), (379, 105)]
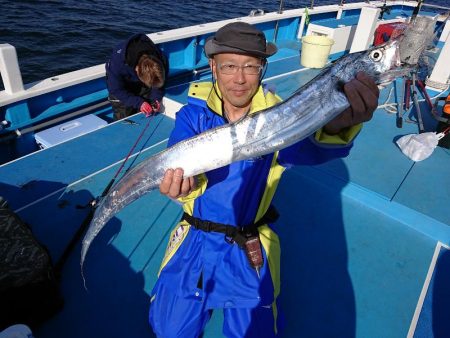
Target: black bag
[(29, 291)]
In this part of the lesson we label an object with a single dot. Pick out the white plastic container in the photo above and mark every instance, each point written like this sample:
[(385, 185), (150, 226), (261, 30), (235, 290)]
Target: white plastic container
[(315, 51), (68, 130)]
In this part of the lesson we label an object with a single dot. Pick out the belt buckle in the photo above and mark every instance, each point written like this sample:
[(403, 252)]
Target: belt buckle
[(229, 235), (228, 239)]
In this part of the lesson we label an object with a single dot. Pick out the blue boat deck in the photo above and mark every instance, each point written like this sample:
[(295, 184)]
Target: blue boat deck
[(356, 253)]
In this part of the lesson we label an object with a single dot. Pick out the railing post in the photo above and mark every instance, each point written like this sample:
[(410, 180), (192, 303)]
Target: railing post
[(9, 69), (365, 29), (439, 78), (281, 8)]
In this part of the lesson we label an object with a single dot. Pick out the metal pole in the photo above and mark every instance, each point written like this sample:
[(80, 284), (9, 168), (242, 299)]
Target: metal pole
[(416, 103), (280, 11), (400, 112)]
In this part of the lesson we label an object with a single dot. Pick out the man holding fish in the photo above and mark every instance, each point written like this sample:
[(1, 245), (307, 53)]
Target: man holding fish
[(224, 253)]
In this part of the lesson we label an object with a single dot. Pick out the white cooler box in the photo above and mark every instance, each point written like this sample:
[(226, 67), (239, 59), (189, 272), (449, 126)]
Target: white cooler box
[(68, 130)]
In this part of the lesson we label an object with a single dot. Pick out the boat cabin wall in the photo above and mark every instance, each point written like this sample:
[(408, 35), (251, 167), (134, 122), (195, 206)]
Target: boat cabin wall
[(54, 104)]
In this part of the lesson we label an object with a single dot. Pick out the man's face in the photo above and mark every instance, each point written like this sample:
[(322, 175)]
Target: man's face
[(238, 87)]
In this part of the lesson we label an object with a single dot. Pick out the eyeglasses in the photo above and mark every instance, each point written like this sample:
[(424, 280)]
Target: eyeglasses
[(231, 69)]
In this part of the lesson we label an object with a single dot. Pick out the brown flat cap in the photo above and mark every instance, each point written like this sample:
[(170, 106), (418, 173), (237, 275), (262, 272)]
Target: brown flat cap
[(239, 38)]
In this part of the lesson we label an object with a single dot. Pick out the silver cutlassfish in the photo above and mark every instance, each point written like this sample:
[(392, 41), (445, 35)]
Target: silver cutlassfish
[(271, 129)]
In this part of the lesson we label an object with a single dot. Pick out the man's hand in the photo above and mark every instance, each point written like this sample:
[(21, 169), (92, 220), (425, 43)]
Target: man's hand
[(362, 93), (174, 185)]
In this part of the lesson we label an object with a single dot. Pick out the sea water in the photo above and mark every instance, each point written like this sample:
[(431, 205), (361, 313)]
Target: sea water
[(53, 37)]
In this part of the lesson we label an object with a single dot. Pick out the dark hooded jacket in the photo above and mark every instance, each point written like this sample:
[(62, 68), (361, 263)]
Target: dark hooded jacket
[(122, 80)]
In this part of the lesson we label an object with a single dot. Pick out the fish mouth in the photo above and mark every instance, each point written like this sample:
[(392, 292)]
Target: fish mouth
[(384, 79)]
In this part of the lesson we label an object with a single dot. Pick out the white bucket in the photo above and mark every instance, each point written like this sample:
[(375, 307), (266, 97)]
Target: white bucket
[(315, 50)]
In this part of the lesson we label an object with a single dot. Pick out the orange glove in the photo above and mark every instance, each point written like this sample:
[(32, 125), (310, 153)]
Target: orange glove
[(147, 109)]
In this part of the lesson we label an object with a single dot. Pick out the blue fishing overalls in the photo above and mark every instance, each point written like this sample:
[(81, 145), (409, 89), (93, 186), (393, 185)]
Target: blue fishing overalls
[(201, 271)]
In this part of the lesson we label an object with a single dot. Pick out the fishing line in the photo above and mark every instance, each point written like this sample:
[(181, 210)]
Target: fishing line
[(94, 202), (143, 145), (129, 154)]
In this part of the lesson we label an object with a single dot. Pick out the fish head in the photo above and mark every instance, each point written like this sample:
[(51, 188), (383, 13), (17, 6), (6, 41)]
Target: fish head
[(384, 62), (402, 54)]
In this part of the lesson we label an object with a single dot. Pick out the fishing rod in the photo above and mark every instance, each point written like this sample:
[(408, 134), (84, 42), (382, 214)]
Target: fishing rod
[(416, 10), (92, 205), (13, 134)]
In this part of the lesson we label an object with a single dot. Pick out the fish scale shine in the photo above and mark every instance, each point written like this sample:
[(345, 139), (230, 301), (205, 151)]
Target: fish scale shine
[(307, 110)]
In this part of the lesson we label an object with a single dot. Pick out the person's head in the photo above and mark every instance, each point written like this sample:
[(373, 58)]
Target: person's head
[(237, 54), (150, 72)]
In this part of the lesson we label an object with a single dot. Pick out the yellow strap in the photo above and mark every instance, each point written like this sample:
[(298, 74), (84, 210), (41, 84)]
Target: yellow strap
[(344, 137), (188, 201), (177, 236)]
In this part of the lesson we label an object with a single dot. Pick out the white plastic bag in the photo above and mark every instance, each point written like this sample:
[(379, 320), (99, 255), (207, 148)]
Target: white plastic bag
[(419, 146)]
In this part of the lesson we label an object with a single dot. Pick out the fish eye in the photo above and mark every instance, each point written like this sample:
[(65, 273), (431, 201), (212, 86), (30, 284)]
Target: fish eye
[(376, 55)]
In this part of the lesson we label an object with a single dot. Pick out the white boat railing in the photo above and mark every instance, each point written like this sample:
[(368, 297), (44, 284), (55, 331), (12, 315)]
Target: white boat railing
[(15, 90), (9, 69)]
